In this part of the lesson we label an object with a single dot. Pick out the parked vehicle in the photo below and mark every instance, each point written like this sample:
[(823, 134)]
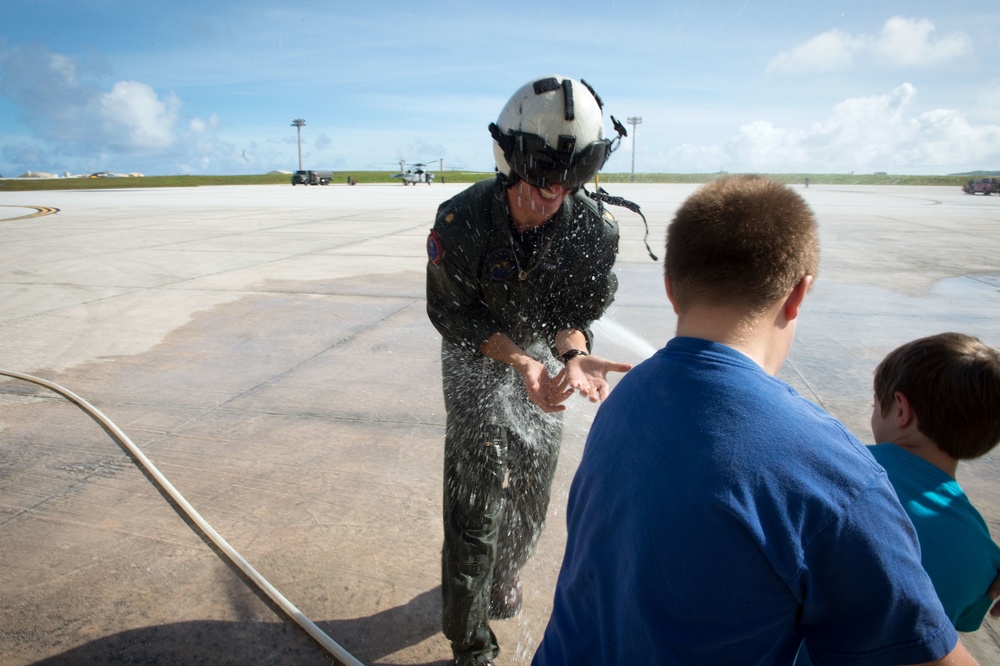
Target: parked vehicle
[(985, 186), (312, 177)]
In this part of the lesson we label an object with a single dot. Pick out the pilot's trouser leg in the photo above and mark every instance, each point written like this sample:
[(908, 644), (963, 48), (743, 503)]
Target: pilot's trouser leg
[(480, 451), (532, 454)]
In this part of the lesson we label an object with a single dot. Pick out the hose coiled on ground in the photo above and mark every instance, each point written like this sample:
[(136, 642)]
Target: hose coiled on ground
[(122, 439)]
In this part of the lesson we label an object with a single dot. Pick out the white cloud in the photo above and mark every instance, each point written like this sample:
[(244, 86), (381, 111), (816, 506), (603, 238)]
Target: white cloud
[(761, 143), (902, 42), (129, 122), (988, 104), (134, 118), (829, 51), (907, 43), (861, 134)]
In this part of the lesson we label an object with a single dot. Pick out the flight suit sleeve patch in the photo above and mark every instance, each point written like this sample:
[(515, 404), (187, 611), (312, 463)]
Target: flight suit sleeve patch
[(435, 248)]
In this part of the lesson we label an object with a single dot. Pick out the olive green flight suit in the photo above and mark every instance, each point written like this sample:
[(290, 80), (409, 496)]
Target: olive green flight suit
[(501, 449)]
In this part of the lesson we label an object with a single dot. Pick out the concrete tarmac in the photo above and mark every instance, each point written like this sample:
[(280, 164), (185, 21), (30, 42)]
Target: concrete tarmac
[(267, 347)]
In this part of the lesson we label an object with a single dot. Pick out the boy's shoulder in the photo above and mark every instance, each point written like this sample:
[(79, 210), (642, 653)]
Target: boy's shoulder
[(930, 465), (887, 451), (956, 547), (920, 483)]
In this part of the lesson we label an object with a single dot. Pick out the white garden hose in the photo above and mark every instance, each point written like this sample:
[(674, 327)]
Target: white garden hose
[(294, 613)]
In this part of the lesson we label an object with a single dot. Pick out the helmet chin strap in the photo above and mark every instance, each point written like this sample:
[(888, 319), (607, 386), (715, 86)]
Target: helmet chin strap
[(602, 197), (507, 180)]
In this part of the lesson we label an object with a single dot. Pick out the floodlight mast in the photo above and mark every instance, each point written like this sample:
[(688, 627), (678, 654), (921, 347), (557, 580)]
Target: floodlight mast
[(633, 121), (297, 124)]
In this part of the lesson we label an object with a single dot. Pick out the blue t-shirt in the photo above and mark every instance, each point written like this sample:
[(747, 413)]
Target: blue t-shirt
[(955, 544), (717, 517)]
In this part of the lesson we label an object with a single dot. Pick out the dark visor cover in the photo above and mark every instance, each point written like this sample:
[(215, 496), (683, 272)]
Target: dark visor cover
[(541, 165)]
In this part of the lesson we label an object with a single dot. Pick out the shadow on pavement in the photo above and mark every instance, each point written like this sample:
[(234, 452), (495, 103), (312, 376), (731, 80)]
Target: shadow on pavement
[(369, 639)]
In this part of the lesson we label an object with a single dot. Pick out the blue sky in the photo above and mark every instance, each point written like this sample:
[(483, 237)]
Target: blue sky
[(211, 87)]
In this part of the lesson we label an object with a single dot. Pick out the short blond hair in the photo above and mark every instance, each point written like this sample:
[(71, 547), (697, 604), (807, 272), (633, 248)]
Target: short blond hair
[(743, 240)]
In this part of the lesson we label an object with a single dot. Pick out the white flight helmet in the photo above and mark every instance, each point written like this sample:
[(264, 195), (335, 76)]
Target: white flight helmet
[(551, 131)]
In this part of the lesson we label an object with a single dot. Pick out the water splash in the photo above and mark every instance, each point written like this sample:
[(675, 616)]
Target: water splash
[(615, 332)]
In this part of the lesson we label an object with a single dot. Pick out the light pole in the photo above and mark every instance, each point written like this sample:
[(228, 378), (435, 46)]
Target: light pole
[(633, 121), (297, 124)]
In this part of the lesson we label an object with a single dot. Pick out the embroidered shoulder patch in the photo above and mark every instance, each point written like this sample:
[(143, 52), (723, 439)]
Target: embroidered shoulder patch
[(435, 248)]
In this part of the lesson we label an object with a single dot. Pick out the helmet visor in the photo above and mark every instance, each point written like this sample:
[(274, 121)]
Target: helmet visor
[(539, 164)]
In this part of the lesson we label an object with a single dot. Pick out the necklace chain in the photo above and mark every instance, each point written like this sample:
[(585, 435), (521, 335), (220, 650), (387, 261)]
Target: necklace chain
[(522, 274)]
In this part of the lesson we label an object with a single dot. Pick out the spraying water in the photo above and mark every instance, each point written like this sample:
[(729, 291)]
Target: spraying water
[(623, 337)]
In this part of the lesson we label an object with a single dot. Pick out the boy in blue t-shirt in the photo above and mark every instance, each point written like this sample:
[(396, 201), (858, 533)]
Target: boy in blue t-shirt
[(937, 401), (716, 516)]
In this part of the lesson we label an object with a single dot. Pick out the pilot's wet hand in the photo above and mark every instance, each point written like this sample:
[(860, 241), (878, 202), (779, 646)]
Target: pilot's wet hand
[(588, 375), (541, 389)]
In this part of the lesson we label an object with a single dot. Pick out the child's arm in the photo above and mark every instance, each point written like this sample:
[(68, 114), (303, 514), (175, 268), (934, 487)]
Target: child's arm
[(994, 593)]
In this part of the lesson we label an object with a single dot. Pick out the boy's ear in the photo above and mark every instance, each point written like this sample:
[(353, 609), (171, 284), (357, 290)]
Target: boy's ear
[(670, 293), (796, 296), (902, 412)]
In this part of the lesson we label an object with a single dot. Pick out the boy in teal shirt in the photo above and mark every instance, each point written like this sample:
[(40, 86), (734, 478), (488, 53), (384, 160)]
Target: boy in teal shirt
[(937, 401)]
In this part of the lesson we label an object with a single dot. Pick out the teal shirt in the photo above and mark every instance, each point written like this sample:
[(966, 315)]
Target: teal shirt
[(956, 549)]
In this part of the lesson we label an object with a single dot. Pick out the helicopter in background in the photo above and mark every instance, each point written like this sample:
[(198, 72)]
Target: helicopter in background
[(414, 175)]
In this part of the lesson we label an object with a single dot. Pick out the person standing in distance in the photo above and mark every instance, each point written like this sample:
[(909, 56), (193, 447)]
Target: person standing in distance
[(519, 266), (717, 517)]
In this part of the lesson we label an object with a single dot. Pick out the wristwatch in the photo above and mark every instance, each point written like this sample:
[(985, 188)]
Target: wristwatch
[(572, 353)]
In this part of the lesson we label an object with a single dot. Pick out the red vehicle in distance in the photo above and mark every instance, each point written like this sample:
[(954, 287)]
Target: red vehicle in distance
[(986, 186)]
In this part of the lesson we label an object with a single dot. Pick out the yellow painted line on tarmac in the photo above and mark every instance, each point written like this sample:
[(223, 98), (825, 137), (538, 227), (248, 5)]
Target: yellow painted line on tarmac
[(41, 211)]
